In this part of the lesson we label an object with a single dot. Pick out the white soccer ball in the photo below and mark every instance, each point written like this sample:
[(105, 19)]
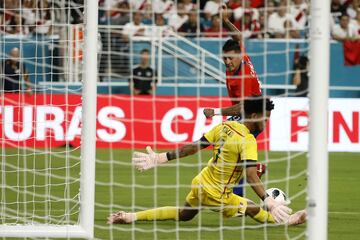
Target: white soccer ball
[(278, 195)]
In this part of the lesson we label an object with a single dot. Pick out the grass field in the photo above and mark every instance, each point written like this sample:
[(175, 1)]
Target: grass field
[(119, 186)]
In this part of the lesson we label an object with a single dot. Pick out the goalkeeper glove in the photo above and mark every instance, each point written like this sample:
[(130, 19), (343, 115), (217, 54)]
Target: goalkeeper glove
[(145, 161), (279, 211)]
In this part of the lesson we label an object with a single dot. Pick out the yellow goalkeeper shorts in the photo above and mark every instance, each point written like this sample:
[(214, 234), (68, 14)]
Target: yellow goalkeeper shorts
[(230, 205)]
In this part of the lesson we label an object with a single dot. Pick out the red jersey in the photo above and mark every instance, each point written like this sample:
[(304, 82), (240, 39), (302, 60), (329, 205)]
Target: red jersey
[(244, 82)]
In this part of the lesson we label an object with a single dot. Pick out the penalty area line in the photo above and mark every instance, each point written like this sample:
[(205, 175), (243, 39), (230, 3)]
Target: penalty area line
[(346, 213)]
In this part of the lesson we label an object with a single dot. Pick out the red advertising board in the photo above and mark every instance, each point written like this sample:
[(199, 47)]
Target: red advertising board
[(123, 121)]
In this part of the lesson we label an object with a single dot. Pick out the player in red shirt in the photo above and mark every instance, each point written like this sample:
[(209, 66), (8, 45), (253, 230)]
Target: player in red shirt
[(241, 78), (241, 81)]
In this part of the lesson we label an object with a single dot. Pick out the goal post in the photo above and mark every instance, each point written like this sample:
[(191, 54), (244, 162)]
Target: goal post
[(319, 91), (83, 225), (88, 133)]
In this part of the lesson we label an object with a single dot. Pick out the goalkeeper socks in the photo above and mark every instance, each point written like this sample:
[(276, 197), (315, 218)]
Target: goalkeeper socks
[(163, 213), (264, 216)]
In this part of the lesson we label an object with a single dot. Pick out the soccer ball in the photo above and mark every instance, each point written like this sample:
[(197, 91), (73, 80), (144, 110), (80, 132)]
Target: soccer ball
[(278, 195)]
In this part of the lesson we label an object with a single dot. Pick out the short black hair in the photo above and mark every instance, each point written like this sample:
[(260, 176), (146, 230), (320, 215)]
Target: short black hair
[(257, 105), (231, 45), (145, 50)]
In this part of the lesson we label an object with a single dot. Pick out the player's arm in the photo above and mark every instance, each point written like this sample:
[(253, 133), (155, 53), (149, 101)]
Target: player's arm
[(279, 211), (235, 33), (254, 180), (145, 161), (229, 111), (188, 149)]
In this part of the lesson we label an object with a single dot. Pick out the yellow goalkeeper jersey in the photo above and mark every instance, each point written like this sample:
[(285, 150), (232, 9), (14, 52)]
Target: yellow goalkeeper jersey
[(233, 144)]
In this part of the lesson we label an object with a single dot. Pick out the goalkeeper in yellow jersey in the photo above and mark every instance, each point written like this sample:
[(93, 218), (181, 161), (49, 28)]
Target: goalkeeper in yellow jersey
[(234, 154)]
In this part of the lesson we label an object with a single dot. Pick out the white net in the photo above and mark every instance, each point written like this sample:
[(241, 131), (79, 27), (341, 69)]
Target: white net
[(40, 118), (160, 64), (183, 73)]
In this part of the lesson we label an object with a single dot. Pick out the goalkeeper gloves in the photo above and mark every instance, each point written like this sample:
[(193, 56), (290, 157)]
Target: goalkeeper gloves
[(279, 211), (145, 161)]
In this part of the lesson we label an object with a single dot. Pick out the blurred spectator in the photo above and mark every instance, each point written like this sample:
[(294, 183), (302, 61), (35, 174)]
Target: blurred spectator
[(270, 8), (248, 25), (188, 5), (119, 15), (300, 77), (135, 27), (148, 14), (239, 13), (164, 7), (15, 25), (344, 30), (29, 13), (277, 20), (298, 11), (2, 24), (158, 32), (216, 30), (177, 19), (290, 31), (257, 3), (44, 18), (13, 73), (337, 10), (76, 10), (356, 24), (159, 20), (263, 32), (143, 80), (352, 9), (191, 27), (139, 4), (211, 8), (233, 4)]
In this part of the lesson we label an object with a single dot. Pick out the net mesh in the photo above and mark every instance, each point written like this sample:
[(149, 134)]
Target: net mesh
[(40, 141), (41, 118)]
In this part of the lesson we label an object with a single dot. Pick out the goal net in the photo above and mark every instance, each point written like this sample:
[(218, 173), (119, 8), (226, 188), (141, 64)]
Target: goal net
[(185, 73), (159, 65), (45, 157)]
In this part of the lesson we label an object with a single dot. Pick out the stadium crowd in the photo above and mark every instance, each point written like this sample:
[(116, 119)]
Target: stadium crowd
[(191, 18), (255, 18)]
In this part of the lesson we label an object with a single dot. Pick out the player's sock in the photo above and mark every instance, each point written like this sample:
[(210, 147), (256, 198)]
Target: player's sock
[(264, 216), (163, 213)]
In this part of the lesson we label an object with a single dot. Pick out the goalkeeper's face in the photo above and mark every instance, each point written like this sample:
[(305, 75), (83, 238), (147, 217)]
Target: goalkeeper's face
[(260, 122), (232, 60)]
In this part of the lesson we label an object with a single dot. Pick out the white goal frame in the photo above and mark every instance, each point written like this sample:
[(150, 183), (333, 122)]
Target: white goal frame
[(317, 200), (85, 226)]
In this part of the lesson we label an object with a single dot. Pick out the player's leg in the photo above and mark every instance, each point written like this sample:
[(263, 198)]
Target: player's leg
[(162, 213), (239, 206), (187, 213), (168, 213)]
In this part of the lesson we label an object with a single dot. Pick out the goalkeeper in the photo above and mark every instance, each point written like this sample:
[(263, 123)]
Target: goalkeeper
[(235, 153)]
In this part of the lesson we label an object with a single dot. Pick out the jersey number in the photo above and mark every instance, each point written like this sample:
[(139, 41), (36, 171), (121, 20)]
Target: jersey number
[(222, 141)]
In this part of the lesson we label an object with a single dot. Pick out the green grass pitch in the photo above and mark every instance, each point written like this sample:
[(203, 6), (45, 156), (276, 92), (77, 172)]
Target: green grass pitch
[(119, 186)]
